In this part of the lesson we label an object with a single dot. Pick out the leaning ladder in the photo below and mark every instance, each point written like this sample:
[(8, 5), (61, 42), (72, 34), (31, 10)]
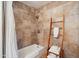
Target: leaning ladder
[(61, 54)]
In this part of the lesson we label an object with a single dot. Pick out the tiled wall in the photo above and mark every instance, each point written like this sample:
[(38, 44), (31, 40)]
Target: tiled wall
[(25, 24), (70, 10)]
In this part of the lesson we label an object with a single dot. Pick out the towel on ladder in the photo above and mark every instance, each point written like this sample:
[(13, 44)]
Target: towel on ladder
[(55, 49), (52, 56), (55, 32)]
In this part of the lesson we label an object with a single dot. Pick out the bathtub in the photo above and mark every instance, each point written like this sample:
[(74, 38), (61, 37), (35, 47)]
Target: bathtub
[(31, 51)]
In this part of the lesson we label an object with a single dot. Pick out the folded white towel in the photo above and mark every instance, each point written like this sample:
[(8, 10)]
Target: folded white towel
[(55, 32), (51, 56), (55, 49)]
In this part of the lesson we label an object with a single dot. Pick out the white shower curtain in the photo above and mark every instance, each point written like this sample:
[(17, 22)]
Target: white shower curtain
[(1, 19), (11, 43)]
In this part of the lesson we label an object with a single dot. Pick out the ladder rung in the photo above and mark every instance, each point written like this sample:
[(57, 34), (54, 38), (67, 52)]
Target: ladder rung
[(59, 27), (54, 53), (57, 21), (61, 35)]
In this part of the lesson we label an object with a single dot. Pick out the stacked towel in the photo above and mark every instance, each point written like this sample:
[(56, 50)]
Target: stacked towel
[(55, 49), (55, 32), (52, 56)]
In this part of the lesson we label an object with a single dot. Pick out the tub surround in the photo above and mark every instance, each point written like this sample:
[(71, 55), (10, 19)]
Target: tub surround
[(31, 29)]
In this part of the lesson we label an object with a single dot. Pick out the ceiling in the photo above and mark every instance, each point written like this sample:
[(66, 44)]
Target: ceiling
[(36, 4)]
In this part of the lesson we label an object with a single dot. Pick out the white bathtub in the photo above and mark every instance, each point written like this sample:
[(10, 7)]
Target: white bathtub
[(31, 51)]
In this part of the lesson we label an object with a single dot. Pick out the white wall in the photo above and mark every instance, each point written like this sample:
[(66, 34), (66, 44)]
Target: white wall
[(0, 29)]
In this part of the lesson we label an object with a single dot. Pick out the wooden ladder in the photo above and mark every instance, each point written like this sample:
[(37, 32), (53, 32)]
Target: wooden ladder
[(61, 54)]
